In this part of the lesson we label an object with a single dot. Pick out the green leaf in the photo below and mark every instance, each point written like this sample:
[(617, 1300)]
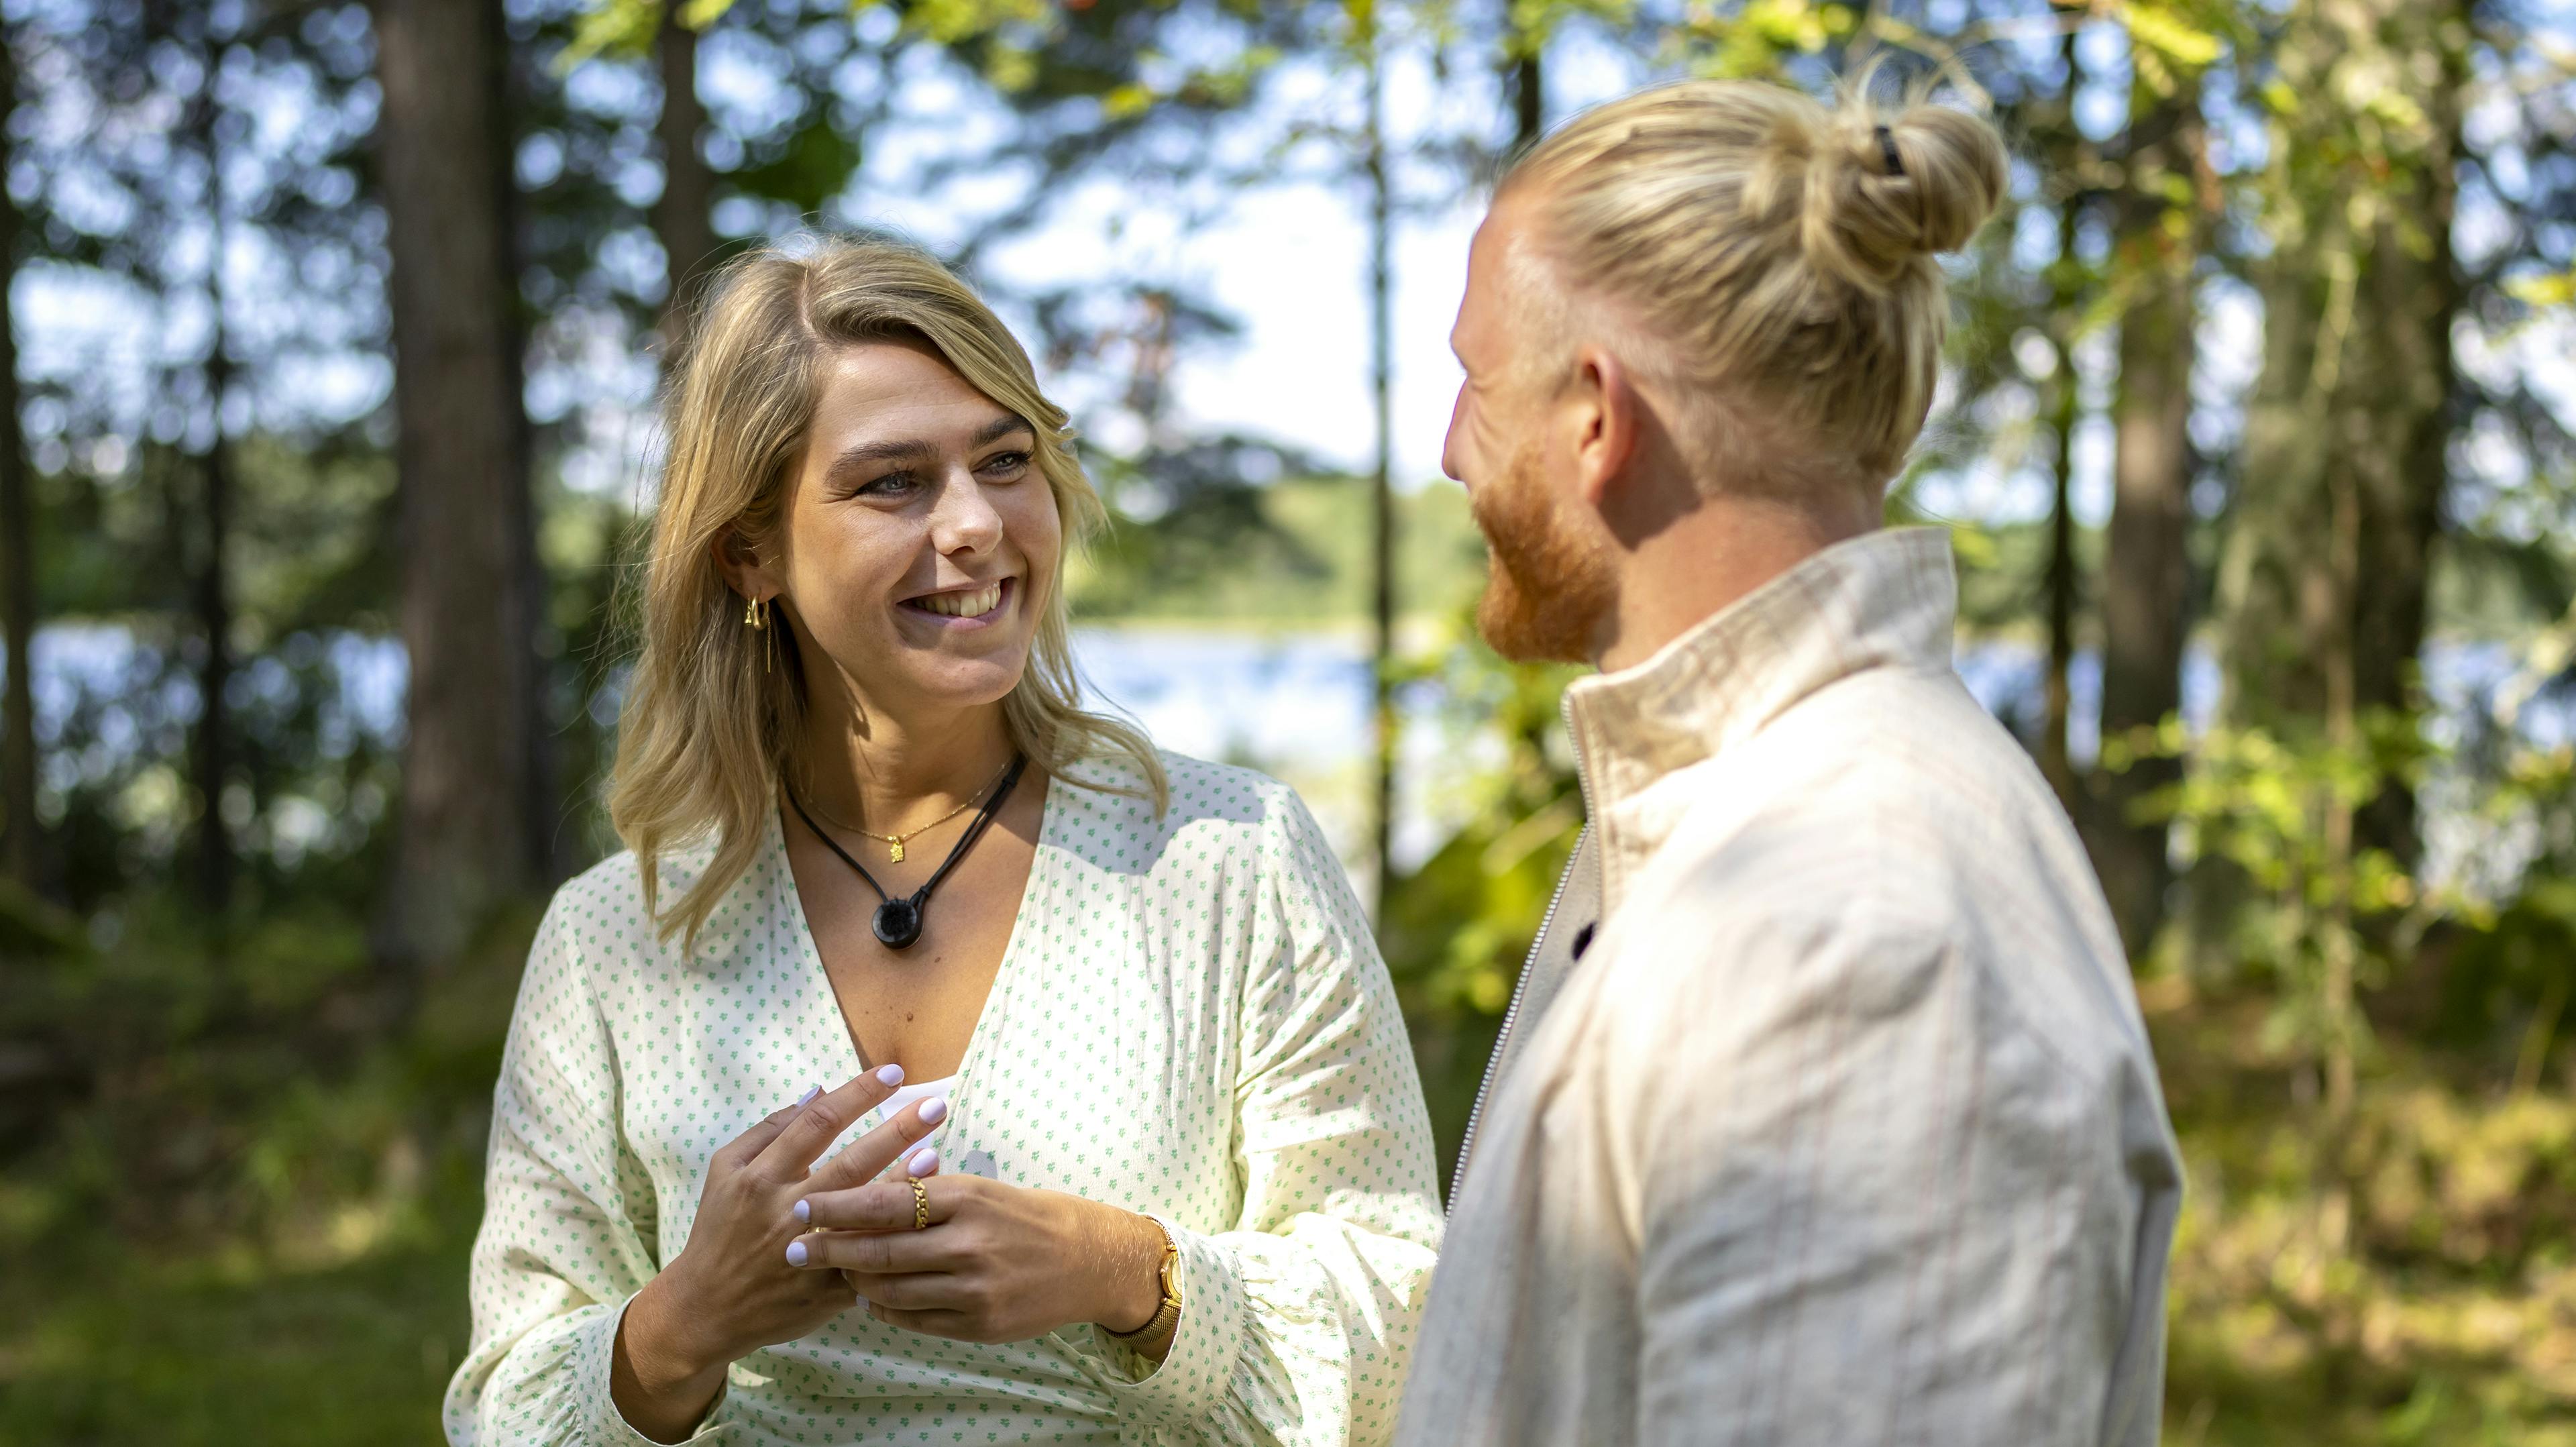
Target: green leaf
[(2160, 29), (2543, 291), (613, 27), (1127, 101), (810, 169)]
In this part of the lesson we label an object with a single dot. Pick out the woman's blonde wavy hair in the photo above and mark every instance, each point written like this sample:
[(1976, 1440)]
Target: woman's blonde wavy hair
[(706, 729), (1769, 257)]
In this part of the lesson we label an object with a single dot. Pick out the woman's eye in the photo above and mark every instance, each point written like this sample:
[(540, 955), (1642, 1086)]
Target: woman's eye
[(1007, 464), (893, 484)]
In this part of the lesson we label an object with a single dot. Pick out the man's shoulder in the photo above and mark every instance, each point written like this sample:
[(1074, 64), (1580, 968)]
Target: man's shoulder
[(1876, 843), (1896, 782), (1889, 734)]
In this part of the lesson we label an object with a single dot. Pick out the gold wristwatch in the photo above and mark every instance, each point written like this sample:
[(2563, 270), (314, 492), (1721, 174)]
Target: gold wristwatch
[(1155, 1336)]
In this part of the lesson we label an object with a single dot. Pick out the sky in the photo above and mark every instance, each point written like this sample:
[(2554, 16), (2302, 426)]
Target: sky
[(1289, 261)]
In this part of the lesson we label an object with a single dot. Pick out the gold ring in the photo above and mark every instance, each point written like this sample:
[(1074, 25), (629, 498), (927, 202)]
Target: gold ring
[(920, 1207)]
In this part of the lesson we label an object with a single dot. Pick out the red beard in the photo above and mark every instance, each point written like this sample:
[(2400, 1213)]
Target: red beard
[(1546, 592)]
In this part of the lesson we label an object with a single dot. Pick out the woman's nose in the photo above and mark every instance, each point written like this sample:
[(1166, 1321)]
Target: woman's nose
[(966, 521)]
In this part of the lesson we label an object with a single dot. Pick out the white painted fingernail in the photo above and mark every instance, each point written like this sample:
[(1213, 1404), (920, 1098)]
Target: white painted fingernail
[(795, 1253), (889, 1075), (804, 1210), (934, 1111), (811, 1091), (923, 1163)]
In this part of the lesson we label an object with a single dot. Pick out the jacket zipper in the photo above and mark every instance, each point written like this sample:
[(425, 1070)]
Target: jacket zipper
[(1520, 987)]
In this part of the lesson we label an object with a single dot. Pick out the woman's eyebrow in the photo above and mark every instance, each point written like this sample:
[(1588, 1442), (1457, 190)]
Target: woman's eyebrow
[(1001, 427), (864, 454)]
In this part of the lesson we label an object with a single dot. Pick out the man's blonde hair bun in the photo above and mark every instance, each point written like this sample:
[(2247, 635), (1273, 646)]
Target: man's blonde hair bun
[(1865, 221), (1769, 258)]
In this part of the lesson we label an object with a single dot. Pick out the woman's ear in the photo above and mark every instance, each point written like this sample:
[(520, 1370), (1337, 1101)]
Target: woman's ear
[(742, 565)]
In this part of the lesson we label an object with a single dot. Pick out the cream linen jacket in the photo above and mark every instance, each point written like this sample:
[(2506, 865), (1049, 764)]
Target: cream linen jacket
[(1844, 1129)]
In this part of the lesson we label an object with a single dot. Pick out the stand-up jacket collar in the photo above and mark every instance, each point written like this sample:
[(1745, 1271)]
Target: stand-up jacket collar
[(1886, 598)]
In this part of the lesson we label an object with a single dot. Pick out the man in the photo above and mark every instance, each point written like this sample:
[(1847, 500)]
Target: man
[(1826, 1114)]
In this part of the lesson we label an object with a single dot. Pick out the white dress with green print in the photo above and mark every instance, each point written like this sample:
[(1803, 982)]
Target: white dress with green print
[(1191, 1020)]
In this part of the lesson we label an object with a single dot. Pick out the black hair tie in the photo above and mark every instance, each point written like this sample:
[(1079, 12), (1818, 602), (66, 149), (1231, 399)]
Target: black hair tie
[(1887, 148)]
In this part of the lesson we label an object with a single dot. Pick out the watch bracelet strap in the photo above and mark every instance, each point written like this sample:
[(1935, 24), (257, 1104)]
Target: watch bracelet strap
[(1153, 1335), (1166, 1320)]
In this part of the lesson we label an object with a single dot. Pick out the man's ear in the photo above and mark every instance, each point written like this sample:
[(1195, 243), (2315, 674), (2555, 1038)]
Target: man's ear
[(1605, 419), (742, 566)]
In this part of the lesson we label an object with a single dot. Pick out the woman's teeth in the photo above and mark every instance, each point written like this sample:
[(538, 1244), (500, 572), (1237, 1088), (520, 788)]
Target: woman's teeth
[(962, 605)]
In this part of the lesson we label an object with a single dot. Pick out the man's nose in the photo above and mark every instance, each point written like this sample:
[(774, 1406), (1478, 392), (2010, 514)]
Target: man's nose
[(1450, 463)]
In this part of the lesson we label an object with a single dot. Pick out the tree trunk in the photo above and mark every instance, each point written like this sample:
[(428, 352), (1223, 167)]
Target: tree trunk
[(469, 611), (544, 810), (2146, 572), (2356, 382), (2346, 434), (2057, 693), (1382, 482), (210, 743), (1529, 96), (2058, 585), (19, 830), (210, 747), (682, 219)]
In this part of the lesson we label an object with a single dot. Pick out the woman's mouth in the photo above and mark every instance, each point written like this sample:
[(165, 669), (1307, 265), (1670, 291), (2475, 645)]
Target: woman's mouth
[(975, 607)]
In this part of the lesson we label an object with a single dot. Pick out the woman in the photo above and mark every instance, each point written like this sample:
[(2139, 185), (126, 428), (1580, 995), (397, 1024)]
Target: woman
[(1163, 1173)]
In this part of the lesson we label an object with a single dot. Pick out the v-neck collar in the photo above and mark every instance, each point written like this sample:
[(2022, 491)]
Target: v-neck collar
[(1005, 975)]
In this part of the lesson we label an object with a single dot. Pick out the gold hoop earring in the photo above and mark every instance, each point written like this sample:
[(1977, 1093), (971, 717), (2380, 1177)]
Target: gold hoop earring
[(755, 616)]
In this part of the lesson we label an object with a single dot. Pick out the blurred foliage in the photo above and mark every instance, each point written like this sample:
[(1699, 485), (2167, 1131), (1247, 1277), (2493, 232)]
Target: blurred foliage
[(237, 1180), (1457, 927), (1280, 554), (244, 1217)]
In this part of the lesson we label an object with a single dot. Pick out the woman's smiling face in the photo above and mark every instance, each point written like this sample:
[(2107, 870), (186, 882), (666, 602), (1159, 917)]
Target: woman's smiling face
[(919, 539)]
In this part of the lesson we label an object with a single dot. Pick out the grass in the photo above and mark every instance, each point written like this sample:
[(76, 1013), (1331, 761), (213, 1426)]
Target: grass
[(2438, 1306), (105, 1342)]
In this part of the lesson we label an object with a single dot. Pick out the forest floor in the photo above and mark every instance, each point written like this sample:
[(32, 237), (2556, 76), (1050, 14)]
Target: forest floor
[(243, 1243), (106, 1341)]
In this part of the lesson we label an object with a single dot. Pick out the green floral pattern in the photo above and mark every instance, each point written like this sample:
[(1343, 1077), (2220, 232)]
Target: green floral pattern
[(1191, 1020)]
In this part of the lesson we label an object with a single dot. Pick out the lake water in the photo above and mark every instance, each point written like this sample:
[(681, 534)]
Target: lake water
[(1295, 705)]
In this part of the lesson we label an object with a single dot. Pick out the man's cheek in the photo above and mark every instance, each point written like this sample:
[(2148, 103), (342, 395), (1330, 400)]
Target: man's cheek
[(1486, 453)]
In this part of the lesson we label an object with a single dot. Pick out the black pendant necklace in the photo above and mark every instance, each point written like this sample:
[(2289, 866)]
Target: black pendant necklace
[(898, 919)]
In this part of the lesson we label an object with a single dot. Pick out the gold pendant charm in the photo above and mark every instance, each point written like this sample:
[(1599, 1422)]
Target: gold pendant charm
[(894, 851)]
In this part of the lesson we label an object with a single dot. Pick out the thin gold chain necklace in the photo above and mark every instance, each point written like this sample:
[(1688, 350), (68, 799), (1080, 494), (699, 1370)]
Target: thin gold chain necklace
[(898, 918), (894, 842)]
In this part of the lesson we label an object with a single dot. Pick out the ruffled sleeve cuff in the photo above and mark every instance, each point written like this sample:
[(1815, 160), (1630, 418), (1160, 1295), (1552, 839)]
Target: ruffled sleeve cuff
[(594, 1356), (1180, 1391)]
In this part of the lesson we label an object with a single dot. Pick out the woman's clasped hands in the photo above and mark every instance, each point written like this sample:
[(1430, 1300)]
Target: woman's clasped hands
[(736, 1287), (977, 1260), (780, 1246)]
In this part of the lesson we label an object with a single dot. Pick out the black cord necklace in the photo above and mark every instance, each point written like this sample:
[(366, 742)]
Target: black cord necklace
[(898, 919)]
